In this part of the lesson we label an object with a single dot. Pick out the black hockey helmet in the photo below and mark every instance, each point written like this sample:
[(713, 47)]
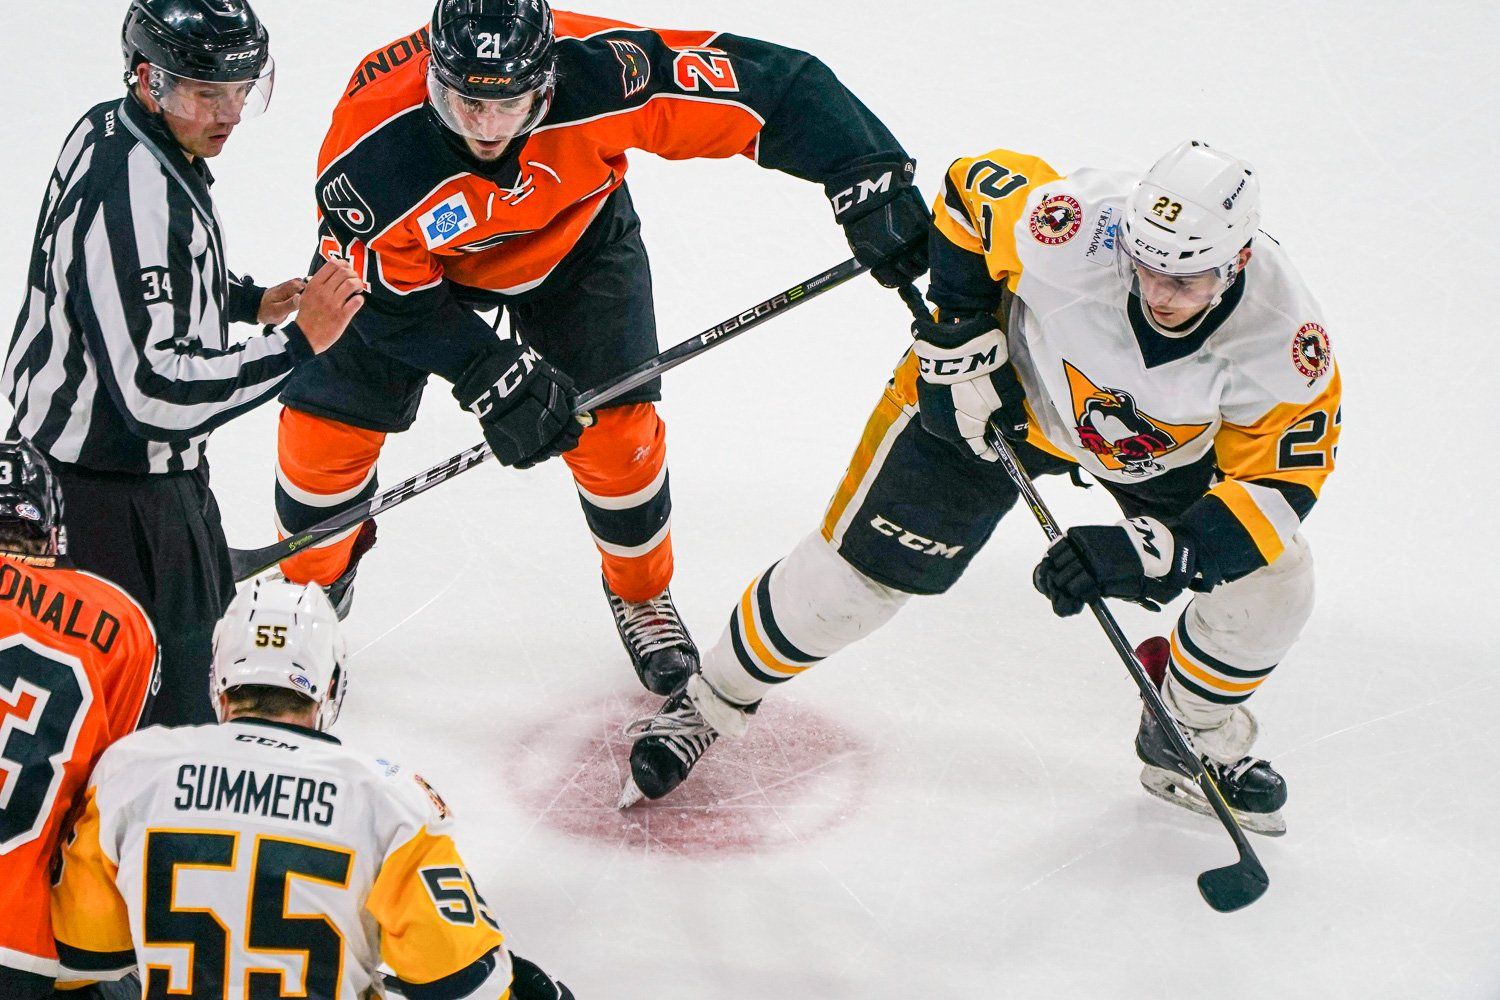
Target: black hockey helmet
[(493, 49), (217, 41), (31, 500)]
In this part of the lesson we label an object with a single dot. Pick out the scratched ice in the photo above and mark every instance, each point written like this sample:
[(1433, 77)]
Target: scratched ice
[(950, 808)]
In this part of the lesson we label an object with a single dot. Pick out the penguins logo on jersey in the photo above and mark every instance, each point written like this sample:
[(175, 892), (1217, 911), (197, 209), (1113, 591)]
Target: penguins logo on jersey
[(340, 198), (1056, 220), (1112, 426), (1311, 352), (637, 71)]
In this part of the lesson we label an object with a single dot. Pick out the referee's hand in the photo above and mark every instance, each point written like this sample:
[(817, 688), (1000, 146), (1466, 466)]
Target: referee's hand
[(329, 302), (280, 301)]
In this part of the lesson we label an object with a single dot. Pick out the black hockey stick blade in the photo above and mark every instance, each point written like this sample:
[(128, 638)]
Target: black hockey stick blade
[(246, 563), (1235, 886)]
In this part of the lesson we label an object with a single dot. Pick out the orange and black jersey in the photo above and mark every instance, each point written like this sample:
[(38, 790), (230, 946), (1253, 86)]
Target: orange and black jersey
[(401, 198), (77, 669)]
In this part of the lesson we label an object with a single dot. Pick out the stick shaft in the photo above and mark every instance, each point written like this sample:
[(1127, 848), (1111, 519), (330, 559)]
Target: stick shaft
[(248, 562)]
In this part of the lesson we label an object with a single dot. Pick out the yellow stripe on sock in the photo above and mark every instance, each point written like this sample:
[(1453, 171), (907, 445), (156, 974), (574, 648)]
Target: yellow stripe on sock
[(1180, 659), (753, 639)]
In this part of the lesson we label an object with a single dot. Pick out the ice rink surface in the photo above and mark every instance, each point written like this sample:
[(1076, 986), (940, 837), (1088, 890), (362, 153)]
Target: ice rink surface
[(951, 808)]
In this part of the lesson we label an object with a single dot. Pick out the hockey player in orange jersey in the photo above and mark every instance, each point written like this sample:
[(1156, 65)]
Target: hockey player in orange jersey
[(77, 672), (261, 858), (1143, 329), (480, 163)]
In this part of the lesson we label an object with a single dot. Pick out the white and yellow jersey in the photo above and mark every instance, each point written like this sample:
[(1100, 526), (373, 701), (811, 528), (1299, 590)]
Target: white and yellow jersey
[(1253, 392), (259, 859)]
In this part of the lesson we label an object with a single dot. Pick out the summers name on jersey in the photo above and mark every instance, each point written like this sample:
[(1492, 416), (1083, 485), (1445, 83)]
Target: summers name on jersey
[(265, 853), (1251, 398)]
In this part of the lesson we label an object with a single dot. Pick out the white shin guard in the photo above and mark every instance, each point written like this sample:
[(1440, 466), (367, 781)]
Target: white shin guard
[(1248, 625), (818, 604)]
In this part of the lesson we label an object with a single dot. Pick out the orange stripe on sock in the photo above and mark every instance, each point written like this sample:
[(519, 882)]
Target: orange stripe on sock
[(324, 456), (639, 578), (319, 455), (622, 452)]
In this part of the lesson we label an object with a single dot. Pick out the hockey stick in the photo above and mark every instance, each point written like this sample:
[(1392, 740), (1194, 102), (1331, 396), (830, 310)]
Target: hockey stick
[(248, 562), (1225, 889)]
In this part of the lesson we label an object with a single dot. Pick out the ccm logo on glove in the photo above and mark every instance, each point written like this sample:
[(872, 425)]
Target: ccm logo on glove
[(508, 382), (936, 368), (860, 193)]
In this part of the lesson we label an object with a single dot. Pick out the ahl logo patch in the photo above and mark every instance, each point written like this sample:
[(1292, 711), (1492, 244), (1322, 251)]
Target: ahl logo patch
[(1311, 352), (448, 220), (1056, 220)]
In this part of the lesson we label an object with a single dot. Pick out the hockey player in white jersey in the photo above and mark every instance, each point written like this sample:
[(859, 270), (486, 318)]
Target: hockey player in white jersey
[(1141, 329), (260, 858)]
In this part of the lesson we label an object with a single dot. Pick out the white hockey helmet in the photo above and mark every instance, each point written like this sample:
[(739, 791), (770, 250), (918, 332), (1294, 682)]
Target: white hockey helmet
[(284, 635), (1192, 213)]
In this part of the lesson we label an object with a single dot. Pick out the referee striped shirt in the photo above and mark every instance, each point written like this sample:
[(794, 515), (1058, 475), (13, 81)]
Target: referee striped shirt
[(121, 359)]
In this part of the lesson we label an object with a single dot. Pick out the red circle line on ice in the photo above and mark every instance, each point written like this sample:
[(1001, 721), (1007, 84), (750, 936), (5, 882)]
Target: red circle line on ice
[(796, 775)]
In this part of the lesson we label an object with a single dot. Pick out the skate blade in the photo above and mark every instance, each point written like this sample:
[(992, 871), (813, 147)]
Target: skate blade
[(1169, 786), (629, 795)]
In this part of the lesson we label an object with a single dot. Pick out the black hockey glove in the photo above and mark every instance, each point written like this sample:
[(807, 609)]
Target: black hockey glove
[(884, 219), (967, 381), (531, 983), (1137, 560), (524, 405)]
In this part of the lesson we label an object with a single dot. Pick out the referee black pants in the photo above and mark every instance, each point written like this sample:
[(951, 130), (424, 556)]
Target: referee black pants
[(160, 539)]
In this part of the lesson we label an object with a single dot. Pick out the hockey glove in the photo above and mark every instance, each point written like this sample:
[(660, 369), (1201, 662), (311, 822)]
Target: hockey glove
[(1137, 560), (968, 380), (529, 982), (884, 219), (524, 405)]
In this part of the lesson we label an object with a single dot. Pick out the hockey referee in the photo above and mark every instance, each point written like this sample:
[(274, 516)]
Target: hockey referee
[(121, 363)]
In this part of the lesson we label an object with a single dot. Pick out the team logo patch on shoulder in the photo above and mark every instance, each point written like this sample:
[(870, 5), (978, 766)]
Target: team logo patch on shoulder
[(437, 800), (449, 220), (1056, 220), (637, 71), (340, 198), (1311, 352)]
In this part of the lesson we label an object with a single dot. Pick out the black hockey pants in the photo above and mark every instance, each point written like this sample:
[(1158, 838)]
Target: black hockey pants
[(160, 539)]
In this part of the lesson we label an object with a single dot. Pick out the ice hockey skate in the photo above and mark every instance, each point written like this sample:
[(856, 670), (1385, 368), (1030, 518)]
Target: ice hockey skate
[(1252, 788), (660, 648), (668, 744)]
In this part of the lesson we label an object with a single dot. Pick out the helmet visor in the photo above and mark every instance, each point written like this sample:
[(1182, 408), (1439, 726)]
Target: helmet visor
[(1173, 293), (185, 97), (489, 119)]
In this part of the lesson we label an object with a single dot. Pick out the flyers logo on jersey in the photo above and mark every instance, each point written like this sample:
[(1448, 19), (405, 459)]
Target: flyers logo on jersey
[(637, 66), (340, 198), (1124, 439), (449, 220), (1311, 352), (1056, 220)]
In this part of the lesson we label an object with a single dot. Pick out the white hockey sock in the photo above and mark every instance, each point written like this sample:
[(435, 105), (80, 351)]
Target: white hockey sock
[(805, 608), (1229, 641)]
